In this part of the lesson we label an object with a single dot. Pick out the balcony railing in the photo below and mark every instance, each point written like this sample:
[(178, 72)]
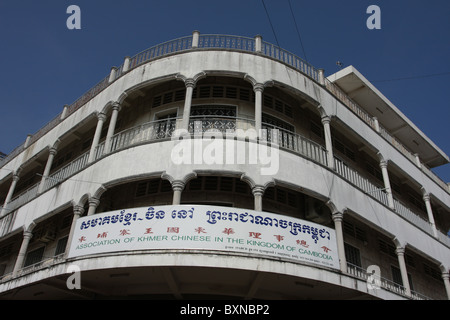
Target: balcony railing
[(377, 282), (164, 129), (360, 181)]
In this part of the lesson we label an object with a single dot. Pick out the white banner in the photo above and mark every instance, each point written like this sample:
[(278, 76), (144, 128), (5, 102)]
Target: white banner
[(205, 227)]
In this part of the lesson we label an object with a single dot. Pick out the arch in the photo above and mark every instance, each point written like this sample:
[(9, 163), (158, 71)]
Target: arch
[(322, 111), (108, 106), (399, 243), (56, 144), (98, 193), (333, 207), (84, 199), (255, 83), (193, 80), (117, 182), (30, 227)]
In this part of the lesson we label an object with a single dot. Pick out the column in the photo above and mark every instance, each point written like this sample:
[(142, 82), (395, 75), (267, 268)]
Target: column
[(112, 74), (387, 184), (112, 126), (258, 192), (126, 64), (258, 89), (445, 277), (48, 166), (77, 212), (376, 124), (195, 39), (426, 198), (328, 141), (22, 252), (93, 204), (98, 132), (337, 219), (190, 85), (400, 251), (258, 43), (177, 187), (321, 76), (12, 187), (418, 162)]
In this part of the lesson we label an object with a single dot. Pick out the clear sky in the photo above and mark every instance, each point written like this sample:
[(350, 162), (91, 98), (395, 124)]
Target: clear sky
[(44, 65)]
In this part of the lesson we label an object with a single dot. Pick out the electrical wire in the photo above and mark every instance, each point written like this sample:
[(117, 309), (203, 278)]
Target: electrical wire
[(298, 32), (270, 22)]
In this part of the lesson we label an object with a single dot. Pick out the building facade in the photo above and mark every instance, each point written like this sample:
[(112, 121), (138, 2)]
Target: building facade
[(224, 166)]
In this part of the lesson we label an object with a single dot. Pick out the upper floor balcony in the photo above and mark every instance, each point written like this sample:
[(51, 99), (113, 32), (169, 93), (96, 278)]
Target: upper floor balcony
[(257, 46)]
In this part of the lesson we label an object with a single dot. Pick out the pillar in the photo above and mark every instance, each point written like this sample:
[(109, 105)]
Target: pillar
[(190, 85), (418, 162), (321, 76), (98, 132), (328, 141), (337, 219), (22, 252), (112, 74), (258, 43), (195, 39), (387, 184), (93, 204), (446, 277), (400, 251), (112, 126), (126, 64), (426, 198), (27, 141), (258, 192), (376, 124), (64, 112), (77, 212), (177, 187), (12, 187), (258, 88), (48, 166)]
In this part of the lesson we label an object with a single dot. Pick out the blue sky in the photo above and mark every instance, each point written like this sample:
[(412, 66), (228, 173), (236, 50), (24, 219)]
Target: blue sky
[(45, 65)]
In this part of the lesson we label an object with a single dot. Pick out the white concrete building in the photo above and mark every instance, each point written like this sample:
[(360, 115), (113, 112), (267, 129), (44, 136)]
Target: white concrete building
[(346, 209)]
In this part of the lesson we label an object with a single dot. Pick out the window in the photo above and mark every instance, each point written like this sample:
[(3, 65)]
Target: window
[(317, 129), (354, 231), (6, 250), (283, 196), (432, 272), (397, 277), (216, 183), (213, 110), (34, 256), (145, 188), (61, 246), (352, 255), (213, 118), (344, 149), (269, 122), (387, 248), (277, 105)]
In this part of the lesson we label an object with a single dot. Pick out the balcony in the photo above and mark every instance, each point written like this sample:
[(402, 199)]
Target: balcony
[(377, 282), (163, 130)]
